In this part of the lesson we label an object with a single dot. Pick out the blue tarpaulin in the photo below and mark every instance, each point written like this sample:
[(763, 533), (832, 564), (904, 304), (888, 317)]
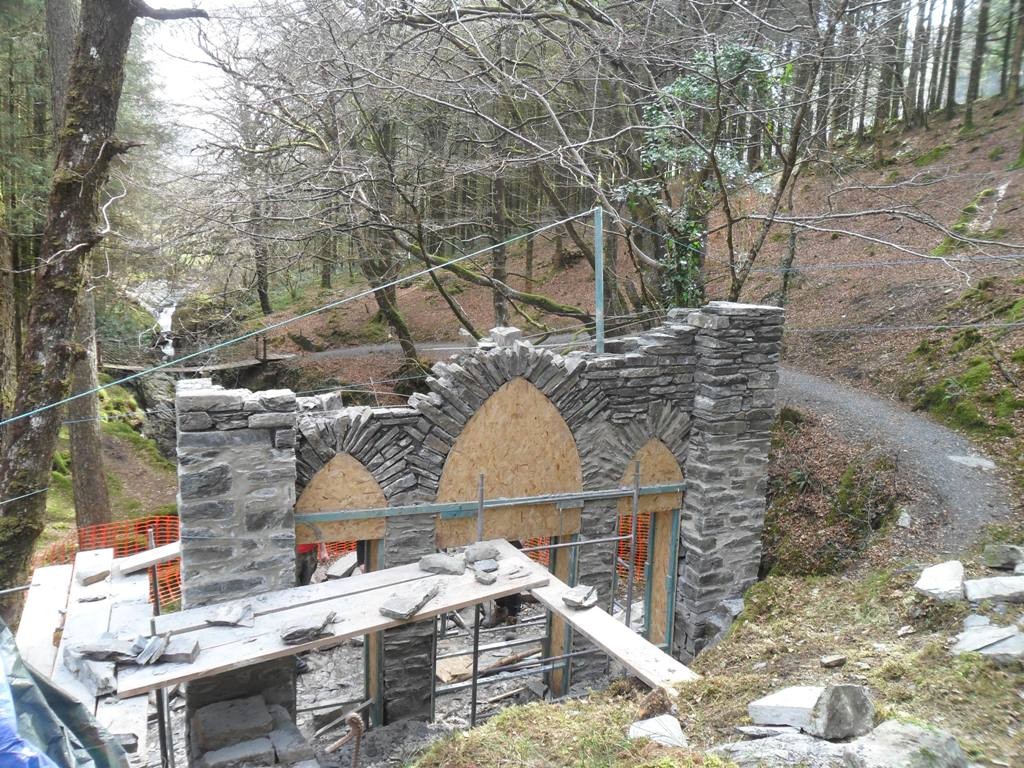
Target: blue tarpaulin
[(43, 727)]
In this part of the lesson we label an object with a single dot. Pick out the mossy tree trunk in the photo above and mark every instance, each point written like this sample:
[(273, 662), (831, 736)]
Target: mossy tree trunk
[(85, 149), (88, 478)]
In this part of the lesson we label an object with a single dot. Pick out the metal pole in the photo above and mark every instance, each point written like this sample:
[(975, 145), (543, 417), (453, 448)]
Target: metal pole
[(599, 278), (476, 663), (162, 710), (631, 566), (480, 510)]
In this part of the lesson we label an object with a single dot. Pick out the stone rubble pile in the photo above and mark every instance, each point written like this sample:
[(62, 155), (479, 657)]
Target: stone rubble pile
[(820, 727), (946, 583), (248, 732)]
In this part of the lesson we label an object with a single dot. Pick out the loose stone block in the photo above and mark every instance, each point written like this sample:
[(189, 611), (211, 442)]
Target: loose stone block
[(290, 745), (1003, 589), (481, 550), (943, 582), (227, 723), (895, 744), (580, 597), (1003, 556), (664, 730), (485, 577), (790, 749), (834, 712), (404, 605), (453, 565), (247, 753)]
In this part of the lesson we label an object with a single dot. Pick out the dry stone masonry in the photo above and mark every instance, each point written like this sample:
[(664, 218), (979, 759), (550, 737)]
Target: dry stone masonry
[(702, 384), (236, 493)]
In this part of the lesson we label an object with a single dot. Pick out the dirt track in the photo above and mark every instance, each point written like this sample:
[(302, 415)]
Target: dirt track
[(957, 489)]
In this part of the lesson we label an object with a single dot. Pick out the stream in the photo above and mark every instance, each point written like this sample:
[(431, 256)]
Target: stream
[(161, 299)]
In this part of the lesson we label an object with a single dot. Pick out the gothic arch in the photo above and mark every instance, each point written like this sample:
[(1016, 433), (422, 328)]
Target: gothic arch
[(523, 446), (343, 483)]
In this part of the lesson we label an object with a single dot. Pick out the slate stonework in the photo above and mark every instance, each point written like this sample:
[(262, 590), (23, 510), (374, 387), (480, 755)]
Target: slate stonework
[(703, 383)]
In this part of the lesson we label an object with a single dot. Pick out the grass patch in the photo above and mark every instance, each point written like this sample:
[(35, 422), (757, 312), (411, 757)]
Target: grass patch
[(933, 155), (789, 623), (587, 733), (825, 499), (145, 447)]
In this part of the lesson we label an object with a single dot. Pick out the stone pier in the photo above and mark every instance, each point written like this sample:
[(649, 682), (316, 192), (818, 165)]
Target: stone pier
[(236, 494)]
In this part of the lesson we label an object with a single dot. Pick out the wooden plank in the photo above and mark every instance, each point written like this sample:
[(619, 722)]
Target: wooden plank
[(649, 663), (660, 554), (227, 648), (42, 616), (88, 609), (130, 613), (558, 678), (147, 558), (308, 596)]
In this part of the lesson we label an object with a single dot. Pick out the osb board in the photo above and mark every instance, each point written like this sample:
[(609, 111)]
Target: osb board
[(510, 523), (657, 466), (342, 483), (521, 444), (660, 554)]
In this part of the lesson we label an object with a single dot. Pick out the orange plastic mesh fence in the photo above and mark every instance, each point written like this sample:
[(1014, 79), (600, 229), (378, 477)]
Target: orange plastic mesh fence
[(643, 532), (127, 537)]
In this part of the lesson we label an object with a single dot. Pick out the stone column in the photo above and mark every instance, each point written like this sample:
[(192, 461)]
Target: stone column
[(727, 467), (236, 493)]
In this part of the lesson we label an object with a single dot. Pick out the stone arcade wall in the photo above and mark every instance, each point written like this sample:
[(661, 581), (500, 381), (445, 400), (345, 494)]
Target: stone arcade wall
[(703, 383)]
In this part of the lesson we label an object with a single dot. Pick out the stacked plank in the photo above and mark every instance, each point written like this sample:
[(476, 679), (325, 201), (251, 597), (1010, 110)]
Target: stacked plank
[(68, 605)]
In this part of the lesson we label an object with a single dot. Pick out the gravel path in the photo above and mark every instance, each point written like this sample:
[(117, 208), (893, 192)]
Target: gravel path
[(957, 489)]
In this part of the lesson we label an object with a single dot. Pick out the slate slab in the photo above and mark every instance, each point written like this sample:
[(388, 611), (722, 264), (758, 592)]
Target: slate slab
[(943, 582), (404, 605), (581, 597), (663, 729), (451, 565), (1006, 589), (895, 744)]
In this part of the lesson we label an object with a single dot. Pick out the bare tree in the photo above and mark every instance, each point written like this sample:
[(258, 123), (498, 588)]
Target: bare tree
[(87, 146)]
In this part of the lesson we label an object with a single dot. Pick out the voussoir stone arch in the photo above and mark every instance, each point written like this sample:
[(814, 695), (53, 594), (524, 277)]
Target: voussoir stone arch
[(379, 439)]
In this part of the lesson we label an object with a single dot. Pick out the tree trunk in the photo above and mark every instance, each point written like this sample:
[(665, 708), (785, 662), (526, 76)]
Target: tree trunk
[(327, 256), (499, 255), (911, 112), (8, 345), (83, 157), (1013, 76), (977, 61), (88, 478), (261, 259), (955, 36), (938, 61), (1011, 15)]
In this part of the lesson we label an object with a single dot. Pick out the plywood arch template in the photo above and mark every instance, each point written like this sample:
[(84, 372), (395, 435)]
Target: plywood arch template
[(522, 445), (658, 466), (343, 483)]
